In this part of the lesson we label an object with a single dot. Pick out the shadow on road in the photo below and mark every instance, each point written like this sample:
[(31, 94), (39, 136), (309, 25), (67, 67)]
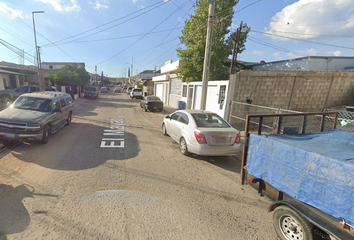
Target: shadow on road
[(77, 147)]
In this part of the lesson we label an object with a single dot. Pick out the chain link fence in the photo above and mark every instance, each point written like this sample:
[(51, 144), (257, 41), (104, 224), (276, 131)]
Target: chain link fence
[(345, 119), (289, 124)]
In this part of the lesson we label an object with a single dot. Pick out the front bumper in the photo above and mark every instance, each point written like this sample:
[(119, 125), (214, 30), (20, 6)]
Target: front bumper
[(37, 136)]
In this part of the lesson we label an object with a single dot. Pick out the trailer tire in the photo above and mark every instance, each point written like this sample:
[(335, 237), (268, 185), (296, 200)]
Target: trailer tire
[(290, 225)]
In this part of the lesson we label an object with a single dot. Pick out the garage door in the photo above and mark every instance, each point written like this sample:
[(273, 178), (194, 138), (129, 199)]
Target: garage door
[(159, 91), (212, 98), (198, 97)]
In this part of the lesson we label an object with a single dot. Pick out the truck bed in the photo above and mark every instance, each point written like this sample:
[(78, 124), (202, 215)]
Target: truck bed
[(316, 169)]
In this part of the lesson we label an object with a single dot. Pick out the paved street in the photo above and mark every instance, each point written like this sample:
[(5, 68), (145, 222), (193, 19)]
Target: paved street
[(87, 183)]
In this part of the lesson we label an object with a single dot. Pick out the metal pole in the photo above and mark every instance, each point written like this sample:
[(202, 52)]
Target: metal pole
[(35, 41), (207, 55)]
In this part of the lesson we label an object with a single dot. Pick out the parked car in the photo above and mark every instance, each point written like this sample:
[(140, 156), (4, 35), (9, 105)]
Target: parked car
[(51, 89), (36, 116), (117, 90), (136, 93), (129, 89), (151, 103), (201, 132), (104, 90), (11, 95), (91, 92)]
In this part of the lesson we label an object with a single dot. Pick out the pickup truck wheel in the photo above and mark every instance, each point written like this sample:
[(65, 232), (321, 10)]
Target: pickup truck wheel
[(183, 147), (289, 225), (68, 120), (6, 98), (46, 134), (145, 108)]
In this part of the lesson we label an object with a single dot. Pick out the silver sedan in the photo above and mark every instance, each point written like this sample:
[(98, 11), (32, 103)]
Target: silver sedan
[(201, 132)]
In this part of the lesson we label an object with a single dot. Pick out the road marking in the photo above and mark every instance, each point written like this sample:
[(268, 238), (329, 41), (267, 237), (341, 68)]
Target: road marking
[(117, 128)]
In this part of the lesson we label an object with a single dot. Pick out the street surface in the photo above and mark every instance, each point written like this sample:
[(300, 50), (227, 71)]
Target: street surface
[(112, 174)]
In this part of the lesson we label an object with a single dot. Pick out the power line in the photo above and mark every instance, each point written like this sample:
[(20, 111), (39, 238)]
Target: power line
[(303, 40), (169, 16), (159, 4)]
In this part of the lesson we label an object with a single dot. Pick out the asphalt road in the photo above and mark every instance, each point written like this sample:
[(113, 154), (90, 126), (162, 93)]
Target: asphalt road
[(87, 183)]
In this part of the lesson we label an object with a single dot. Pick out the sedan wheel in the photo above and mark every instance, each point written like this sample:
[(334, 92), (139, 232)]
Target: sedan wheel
[(164, 131), (183, 147), (46, 134)]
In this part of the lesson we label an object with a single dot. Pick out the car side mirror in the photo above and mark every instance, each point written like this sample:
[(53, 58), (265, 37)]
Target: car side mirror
[(168, 116)]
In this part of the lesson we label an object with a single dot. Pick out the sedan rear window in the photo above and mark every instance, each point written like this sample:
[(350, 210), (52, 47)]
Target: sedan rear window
[(153, 98), (91, 88), (209, 120)]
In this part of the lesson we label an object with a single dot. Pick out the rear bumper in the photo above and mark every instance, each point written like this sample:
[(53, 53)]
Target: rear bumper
[(206, 150), (22, 136)]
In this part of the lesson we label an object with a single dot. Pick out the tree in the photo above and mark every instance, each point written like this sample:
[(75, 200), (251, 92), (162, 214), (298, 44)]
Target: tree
[(194, 38), (70, 75)]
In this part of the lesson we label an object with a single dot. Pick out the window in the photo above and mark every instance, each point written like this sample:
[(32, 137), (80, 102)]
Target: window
[(50, 66), (222, 94), (22, 89), (62, 102), (209, 120), (175, 116), (184, 91), (184, 118), (69, 99), (33, 89), (56, 104)]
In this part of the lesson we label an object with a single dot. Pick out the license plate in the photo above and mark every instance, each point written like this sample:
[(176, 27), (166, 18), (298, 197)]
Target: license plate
[(220, 140), (10, 135)]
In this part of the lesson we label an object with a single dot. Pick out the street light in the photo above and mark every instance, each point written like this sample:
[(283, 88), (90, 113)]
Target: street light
[(35, 41)]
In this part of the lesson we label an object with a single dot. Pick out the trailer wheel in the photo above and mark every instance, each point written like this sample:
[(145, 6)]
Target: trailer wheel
[(289, 225)]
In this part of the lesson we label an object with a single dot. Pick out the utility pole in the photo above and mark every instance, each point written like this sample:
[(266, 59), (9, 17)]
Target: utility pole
[(207, 55), (236, 46), (41, 83)]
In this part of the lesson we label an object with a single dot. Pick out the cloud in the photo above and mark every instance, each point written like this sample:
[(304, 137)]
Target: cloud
[(12, 12), (63, 5), (307, 19), (258, 53), (98, 6), (313, 52), (277, 55)]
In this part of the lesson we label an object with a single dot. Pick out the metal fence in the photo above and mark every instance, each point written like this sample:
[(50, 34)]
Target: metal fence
[(345, 119), (239, 112)]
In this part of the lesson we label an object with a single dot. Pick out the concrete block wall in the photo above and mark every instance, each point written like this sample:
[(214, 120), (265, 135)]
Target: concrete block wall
[(307, 91)]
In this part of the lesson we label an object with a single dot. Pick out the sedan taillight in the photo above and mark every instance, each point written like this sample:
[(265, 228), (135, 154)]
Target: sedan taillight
[(200, 138), (238, 138)]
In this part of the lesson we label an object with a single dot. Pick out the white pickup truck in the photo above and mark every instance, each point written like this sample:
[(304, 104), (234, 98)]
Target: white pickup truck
[(136, 93)]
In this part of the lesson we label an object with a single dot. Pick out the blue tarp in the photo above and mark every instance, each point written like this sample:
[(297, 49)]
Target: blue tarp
[(317, 169)]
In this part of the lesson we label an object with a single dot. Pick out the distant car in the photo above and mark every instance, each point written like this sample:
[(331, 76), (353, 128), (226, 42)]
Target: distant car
[(129, 89), (104, 90), (91, 92), (51, 89), (117, 90), (136, 93), (151, 103), (36, 116), (124, 88), (201, 132), (11, 95)]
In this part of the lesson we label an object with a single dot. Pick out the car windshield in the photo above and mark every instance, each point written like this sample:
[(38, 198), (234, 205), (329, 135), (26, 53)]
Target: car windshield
[(32, 103), (91, 88), (153, 98), (209, 120), (137, 90)]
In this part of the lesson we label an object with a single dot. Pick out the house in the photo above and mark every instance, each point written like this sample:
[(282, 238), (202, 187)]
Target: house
[(14, 75), (171, 90), (311, 63)]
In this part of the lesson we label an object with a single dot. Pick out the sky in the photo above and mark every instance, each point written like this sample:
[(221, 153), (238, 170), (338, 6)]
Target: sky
[(115, 35)]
